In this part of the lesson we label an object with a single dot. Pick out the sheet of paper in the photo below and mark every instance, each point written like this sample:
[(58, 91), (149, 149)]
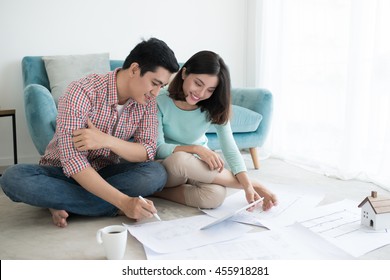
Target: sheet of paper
[(290, 207), (234, 212), (339, 223), (184, 233), (294, 242)]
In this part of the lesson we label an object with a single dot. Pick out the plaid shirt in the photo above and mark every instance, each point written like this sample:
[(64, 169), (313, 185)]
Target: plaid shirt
[(95, 97)]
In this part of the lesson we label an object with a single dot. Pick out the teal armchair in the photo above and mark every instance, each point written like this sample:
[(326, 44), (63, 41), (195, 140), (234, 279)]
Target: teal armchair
[(252, 110), (252, 113), (40, 108)]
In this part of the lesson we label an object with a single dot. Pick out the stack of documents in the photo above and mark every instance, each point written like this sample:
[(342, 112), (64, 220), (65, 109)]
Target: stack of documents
[(297, 229), (339, 223), (185, 233)]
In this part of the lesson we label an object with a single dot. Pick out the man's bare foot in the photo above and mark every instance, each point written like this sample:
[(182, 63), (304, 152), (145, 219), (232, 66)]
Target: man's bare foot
[(270, 199), (59, 217)]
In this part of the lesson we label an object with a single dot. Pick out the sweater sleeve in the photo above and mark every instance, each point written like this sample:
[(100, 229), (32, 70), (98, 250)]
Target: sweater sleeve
[(163, 149), (229, 148)]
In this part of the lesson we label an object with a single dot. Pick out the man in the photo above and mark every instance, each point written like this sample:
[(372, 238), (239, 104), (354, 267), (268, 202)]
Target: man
[(81, 171)]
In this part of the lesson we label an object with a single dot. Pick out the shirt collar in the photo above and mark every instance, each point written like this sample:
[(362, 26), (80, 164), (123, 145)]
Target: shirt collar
[(112, 91)]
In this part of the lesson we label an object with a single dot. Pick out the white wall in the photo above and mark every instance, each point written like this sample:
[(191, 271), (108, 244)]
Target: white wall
[(54, 27)]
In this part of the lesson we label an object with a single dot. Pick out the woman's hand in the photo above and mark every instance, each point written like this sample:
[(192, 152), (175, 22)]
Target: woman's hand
[(211, 158), (251, 195), (270, 199), (90, 138)]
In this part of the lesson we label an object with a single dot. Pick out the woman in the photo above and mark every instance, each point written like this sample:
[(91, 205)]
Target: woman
[(197, 98)]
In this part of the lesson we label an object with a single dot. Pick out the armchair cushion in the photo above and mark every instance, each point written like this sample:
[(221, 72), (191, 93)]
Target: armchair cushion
[(64, 69), (243, 120)]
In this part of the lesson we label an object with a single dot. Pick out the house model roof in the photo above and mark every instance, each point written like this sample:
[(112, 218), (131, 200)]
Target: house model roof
[(379, 204)]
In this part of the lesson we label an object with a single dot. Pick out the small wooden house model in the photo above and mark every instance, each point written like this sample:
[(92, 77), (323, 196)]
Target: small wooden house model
[(375, 212)]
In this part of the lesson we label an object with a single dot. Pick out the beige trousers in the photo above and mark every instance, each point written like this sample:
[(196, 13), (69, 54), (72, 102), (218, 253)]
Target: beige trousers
[(196, 177)]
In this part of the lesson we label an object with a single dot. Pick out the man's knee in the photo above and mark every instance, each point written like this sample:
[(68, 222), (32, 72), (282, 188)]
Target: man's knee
[(157, 176), (10, 180)]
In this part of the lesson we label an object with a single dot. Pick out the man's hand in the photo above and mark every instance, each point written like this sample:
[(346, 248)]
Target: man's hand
[(137, 209), (89, 138)]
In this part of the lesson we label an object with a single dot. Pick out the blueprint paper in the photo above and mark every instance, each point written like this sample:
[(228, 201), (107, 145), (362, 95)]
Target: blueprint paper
[(339, 223), (184, 233), (287, 243), (290, 207)]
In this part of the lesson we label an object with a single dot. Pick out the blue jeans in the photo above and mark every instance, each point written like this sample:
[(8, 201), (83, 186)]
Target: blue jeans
[(48, 187)]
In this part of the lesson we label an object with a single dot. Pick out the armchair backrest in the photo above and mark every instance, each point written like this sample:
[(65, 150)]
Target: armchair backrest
[(34, 71)]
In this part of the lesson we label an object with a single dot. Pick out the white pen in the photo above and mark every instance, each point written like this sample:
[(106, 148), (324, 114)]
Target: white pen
[(154, 214)]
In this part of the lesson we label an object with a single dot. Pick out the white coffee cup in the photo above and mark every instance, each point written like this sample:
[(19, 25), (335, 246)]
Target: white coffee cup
[(114, 239)]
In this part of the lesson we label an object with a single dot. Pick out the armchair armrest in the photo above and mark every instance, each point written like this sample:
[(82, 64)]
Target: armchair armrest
[(258, 100), (34, 71), (41, 114)]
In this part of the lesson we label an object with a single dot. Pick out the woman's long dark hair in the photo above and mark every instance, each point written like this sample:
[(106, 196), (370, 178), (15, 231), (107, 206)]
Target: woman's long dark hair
[(207, 62)]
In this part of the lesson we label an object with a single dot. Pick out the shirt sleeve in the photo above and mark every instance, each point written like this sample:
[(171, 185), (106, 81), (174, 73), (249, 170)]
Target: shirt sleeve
[(73, 108), (146, 132), (229, 148)]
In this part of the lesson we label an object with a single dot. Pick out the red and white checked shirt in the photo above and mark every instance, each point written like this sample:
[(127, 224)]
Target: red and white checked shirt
[(95, 97)]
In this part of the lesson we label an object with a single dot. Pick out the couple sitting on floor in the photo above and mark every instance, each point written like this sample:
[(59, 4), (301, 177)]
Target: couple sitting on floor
[(81, 171)]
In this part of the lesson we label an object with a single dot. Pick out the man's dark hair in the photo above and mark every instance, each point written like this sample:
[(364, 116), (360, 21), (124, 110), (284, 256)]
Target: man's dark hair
[(152, 54)]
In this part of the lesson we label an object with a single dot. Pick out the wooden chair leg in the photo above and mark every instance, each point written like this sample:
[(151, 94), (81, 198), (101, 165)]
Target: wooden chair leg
[(255, 158)]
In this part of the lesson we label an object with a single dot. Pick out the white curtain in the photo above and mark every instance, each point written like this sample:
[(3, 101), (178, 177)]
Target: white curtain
[(327, 62)]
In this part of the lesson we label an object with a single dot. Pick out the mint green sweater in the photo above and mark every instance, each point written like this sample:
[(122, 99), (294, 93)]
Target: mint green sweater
[(178, 127)]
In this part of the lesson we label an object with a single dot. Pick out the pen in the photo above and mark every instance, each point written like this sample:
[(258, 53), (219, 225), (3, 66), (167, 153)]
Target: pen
[(154, 214)]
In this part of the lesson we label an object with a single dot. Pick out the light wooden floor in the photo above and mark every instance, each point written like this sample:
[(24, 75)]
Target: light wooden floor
[(28, 233)]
